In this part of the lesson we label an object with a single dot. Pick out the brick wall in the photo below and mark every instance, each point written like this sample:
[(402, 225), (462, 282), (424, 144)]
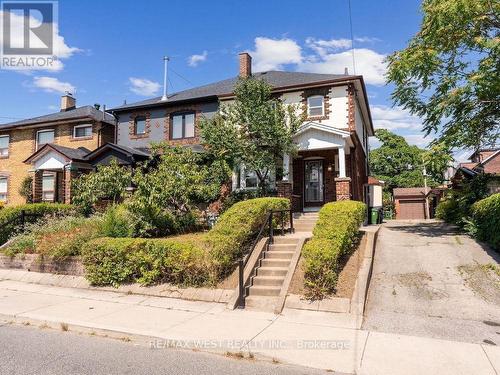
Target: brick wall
[(493, 166), (22, 145)]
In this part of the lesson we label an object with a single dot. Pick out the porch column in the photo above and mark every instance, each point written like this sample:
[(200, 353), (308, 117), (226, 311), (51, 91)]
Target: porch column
[(342, 162), (342, 183)]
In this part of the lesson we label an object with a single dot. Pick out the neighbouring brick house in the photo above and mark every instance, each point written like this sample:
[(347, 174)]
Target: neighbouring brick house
[(483, 161), (332, 162), (49, 148)]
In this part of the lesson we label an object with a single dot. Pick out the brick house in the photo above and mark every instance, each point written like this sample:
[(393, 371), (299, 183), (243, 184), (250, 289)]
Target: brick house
[(332, 162), (49, 148), (482, 161)]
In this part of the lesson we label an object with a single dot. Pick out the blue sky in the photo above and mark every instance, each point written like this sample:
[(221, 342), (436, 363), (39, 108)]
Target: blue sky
[(112, 50)]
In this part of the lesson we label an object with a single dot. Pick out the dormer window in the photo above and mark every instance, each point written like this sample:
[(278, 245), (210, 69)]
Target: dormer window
[(140, 125), (315, 106)]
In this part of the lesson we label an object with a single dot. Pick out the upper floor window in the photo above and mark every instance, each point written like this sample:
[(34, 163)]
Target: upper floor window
[(43, 137), (82, 131), (3, 189), (182, 125), (48, 187), (315, 106), (140, 125), (4, 146)]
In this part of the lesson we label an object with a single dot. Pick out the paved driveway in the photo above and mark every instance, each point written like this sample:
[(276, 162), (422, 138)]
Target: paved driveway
[(429, 280)]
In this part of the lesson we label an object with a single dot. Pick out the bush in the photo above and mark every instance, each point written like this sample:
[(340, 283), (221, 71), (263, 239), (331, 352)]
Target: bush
[(113, 261), (26, 189), (486, 219), (56, 237), (449, 211), (9, 213), (334, 235), (117, 222), (236, 227)]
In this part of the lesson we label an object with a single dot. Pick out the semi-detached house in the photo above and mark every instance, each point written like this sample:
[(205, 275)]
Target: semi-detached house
[(332, 162)]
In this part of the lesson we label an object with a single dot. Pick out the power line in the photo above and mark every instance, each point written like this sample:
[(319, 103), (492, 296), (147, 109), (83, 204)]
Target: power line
[(352, 39), (185, 79)]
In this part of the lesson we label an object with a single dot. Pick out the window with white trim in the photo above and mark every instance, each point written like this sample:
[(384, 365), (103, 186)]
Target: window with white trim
[(48, 187), (3, 189), (82, 131), (182, 125), (4, 146), (251, 181), (315, 106), (43, 137)]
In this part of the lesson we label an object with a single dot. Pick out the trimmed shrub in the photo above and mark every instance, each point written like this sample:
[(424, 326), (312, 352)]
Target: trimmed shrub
[(9, 213), (334, 235), (236, 227), (117, 222), (113, 261), (486, 219)]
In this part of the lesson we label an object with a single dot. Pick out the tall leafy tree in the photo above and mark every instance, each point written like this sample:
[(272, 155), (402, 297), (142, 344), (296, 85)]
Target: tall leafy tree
[(254, 130), (449, 72), (402, 165)]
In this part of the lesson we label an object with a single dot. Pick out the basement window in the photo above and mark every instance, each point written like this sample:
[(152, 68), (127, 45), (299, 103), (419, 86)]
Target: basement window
[(315, 106)]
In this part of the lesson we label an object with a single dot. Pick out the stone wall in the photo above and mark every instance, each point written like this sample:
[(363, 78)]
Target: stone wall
[(37, 263)]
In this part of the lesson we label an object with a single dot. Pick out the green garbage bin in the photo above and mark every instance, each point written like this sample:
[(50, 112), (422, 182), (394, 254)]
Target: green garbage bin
[(374, 216)]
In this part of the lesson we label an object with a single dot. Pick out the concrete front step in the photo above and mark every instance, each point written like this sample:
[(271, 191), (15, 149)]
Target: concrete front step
[(272, 271), (304, 227), (261, 303), (285, 240), (264, 290), (282, 247), (279, 254), (268, 280), (283, 263)]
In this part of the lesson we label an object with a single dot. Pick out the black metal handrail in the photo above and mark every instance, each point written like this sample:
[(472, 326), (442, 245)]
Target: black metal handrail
[(21, 218), (269, 224)]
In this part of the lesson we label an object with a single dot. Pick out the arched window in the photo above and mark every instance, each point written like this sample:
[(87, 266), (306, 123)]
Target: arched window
[(315, 106)]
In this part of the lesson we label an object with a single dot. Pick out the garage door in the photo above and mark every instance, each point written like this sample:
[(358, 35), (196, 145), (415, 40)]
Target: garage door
[(411, 209)]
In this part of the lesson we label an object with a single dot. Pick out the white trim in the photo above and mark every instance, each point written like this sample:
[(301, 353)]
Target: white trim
[(82, 126), (43, 131), (329, 129), (322, 106)]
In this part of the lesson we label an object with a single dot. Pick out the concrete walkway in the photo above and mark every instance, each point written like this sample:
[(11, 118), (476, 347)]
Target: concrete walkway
[(307, 338), (429, 280)]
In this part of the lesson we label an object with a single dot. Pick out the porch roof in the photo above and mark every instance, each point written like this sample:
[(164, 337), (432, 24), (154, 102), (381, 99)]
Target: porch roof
[(317, 136)]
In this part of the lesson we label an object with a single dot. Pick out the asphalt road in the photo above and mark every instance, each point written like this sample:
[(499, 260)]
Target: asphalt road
[(33, 350)]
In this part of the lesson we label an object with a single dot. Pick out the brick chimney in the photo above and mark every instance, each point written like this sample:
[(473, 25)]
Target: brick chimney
[(68, 102), (245, 64)]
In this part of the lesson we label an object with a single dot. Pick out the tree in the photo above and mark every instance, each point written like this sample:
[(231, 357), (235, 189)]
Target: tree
[(107, 182), (26, 189), (401, 165), (449, 72), (255, 130)]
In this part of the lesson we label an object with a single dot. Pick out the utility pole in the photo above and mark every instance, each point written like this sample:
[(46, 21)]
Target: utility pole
[(427, 214), (166, 59)]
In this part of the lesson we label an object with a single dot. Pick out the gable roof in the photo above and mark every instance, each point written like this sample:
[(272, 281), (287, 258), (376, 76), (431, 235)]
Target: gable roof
[(85, 112), (68, 152), (129, 151), (277, 79)]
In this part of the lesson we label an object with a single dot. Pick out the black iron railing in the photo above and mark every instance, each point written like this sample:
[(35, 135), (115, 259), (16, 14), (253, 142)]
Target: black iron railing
[(21, 218), (282, 224)]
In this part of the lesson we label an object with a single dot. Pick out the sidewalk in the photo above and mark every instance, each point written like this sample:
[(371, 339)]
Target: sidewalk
[(308, 338)]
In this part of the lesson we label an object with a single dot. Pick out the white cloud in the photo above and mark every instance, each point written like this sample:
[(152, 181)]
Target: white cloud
[(144, 87), (51, 84), (330, 56), (61, 49), (272, 54), (389, 118), (418, 139), (366, 39), (194, 60), (369, 63)]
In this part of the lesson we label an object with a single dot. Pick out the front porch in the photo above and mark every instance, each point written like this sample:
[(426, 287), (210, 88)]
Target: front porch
[(324, 170)]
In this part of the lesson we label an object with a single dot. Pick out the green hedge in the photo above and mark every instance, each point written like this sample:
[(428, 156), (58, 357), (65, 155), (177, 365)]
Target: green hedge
[(449, 210), (8, 213), (188, 259), (333, 237), (486, 218), (113, 261), (236, 227)]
